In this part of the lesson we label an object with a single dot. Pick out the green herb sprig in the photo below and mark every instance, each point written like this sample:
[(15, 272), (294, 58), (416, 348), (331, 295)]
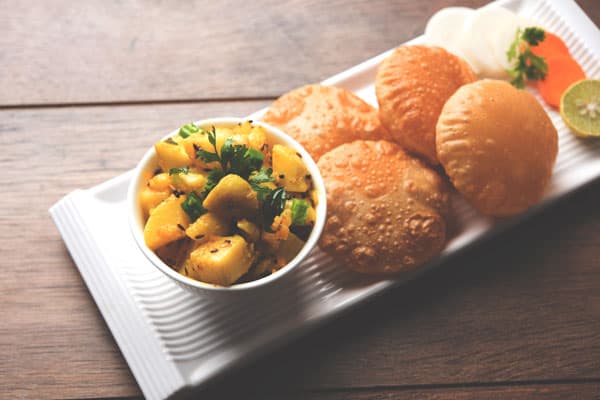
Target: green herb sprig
[(234, 158), (525, 64), (179, 170), (214, 176), (272, 206), (241, 160), (262, 176), (192, 205)]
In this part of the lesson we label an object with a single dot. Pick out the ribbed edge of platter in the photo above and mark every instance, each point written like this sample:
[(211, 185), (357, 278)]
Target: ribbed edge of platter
[(192, 327), (157, 378)]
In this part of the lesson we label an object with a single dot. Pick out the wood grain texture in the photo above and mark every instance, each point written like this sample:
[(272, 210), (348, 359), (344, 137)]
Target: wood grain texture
[(109, 51), (588, 391), (113, 51), (524, 307)]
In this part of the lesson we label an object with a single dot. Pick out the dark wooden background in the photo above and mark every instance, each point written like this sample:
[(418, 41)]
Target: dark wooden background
[(87, 86)]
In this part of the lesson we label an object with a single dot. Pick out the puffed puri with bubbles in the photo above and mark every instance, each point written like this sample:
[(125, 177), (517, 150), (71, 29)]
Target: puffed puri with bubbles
[(412, 85), (386, 208)]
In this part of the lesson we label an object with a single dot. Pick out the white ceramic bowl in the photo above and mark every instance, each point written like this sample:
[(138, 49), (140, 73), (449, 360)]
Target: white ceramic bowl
[(149, 163)]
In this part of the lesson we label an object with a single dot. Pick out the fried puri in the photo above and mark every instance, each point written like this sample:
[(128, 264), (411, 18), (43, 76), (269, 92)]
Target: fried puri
[(323, 117), (412, 85), (497, 145), (386, 208)]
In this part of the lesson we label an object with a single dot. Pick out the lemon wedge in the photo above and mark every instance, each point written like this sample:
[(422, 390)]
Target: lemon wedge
[(580, 108)]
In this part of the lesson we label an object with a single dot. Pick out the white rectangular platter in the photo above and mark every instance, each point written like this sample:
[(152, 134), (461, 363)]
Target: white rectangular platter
[(175, 341)]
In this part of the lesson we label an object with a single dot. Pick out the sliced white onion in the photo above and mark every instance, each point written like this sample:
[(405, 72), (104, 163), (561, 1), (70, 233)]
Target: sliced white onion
[(484, 35), (500, 38), (445, 27)]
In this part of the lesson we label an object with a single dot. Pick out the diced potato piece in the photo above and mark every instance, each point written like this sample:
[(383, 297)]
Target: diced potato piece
[(263, 267), (188, 182), (197, 139), (167, 223), (240, 139), (288, 249), (222, 134), (160, 182), (232, 196), (171, 155), (250, 230), (244, 128), (222, 260), (311, 216), (289, 169), (257, 139), (209, 224), (314, 197), (151, 198), (271, 240), (174, 253)]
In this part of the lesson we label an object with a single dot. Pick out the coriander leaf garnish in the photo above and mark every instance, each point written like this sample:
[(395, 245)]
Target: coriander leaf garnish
[(234, 158), (245, 160), (192, 206), (525, 64), (262, 176), (253, 159), (214, 176), (227, 152), (188, 129), (299, 211), (207, 156), (272, 206), (534, 35), (180, 170)]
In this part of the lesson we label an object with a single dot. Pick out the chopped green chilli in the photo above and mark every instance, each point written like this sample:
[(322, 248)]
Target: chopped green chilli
[(188, 129), (193, 206), (299, 211)]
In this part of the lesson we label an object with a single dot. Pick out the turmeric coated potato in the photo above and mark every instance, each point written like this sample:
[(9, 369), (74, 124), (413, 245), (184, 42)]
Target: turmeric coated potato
[(166, 223), (289, 170), (216, 198), (209, 224), (232, 196), (222, 260), (150, 198), (171, 155)]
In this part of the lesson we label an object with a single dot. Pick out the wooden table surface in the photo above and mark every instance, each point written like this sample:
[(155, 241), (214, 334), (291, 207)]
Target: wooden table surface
[(88, 86)]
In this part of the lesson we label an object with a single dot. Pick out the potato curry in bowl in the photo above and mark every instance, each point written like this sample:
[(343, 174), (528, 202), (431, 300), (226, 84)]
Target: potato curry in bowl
[(228, 203)]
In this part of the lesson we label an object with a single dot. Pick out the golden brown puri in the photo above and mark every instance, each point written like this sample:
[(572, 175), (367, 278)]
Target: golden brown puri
[(497, 145), (323, 117), (412, 85), (385, 208)]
